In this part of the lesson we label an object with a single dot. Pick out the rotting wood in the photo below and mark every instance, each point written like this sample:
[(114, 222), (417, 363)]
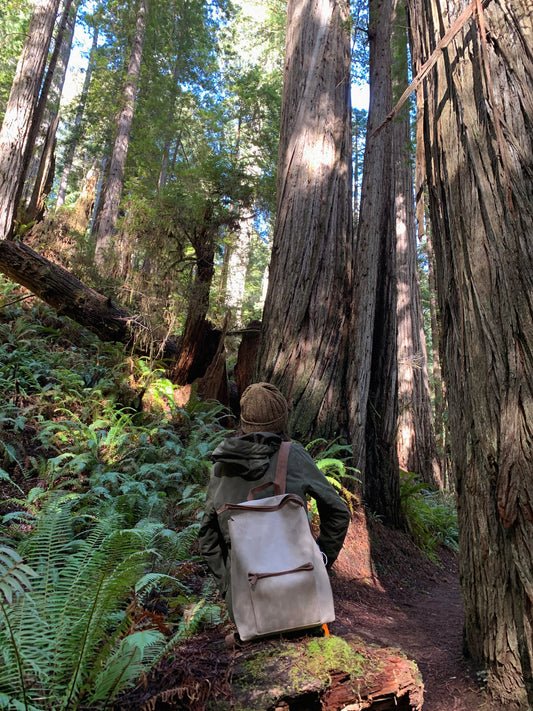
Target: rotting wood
[(322, 673)]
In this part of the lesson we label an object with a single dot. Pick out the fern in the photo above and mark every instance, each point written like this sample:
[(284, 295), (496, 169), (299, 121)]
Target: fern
[(52, 637), (14, 574), (431, 516), (331, 458)]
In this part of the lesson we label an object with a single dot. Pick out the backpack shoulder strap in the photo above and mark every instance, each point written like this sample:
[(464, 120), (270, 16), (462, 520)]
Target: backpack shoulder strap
[(281, 467), (281, 473)]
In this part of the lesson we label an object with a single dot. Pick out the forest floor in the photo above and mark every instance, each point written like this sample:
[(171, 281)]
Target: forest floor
[(387, 592)]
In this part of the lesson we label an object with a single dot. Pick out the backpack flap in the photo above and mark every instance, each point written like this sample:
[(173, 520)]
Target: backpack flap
[(278, 578)]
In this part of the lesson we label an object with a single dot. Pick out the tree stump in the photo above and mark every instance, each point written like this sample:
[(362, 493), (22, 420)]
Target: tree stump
[(326, 674)]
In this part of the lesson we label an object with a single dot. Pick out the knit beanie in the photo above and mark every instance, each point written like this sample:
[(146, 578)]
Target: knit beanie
[(263, 409)]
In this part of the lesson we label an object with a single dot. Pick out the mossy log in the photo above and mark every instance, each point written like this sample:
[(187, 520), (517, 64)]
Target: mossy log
[(71, 297), (326, 674)]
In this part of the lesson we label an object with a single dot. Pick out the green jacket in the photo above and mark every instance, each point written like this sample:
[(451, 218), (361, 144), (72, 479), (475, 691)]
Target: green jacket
[(241, 464)]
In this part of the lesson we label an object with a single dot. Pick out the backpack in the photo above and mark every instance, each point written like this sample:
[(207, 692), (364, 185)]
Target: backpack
[(279, 581)]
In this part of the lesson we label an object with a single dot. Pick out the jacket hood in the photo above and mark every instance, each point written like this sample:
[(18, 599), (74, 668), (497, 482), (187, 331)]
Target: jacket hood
[(247, 456)]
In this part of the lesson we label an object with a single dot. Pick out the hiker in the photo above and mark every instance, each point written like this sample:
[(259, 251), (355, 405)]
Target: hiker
[(247, 461)]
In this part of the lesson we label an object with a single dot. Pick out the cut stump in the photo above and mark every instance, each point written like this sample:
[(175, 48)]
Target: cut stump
[(326, 674)]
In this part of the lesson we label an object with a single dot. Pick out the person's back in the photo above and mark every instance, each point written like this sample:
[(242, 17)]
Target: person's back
[(247, 462)]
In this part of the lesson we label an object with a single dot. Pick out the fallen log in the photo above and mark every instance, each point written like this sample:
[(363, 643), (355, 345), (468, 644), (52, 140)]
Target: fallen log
[(71, 297)]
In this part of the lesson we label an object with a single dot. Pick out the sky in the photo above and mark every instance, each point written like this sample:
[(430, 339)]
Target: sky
[(79, 58)]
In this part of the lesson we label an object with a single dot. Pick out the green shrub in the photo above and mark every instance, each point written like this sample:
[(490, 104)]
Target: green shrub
[(431, 515)]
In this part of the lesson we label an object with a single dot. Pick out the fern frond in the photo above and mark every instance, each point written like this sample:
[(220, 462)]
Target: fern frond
[(14, 573), (125, 666)]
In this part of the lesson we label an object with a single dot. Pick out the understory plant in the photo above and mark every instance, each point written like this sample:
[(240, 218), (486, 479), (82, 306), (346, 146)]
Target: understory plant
[(431, 515), (70, 632), (99, 514), (332, 459)]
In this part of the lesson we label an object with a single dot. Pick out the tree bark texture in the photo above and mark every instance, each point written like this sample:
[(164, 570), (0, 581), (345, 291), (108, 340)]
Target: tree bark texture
[(70, 297), (40, 174), (303, 345), (115, 184), (417, 448), (41, 139), (373, 374), (478, 104), (22, 102)]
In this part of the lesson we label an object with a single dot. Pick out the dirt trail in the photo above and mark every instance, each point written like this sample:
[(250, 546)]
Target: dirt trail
[(390, 595)]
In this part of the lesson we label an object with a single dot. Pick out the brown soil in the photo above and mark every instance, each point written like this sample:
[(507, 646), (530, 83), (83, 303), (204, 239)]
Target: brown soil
[(390, 594)]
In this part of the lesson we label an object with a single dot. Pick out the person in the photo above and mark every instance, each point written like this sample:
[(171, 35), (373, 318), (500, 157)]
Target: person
[(247, 461)]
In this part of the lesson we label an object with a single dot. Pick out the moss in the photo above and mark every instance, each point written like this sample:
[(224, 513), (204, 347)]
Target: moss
[(327, 654), (291, 669), (255, 666)]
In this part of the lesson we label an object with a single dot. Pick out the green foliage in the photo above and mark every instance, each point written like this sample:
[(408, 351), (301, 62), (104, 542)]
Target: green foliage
[(331, 458), (14, 574), (65, 641), (102, 514), (431, 515)]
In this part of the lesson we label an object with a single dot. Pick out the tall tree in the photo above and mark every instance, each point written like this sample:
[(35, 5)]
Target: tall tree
[(478, 112), (417, 448), (14, 20), (305, 324), (424, 236), (16, 127), (74, 136), (41, 164), (373, 375), (115, 183)]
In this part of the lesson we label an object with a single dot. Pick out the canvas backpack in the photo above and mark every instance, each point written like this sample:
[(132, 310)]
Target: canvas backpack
[(279, 581)]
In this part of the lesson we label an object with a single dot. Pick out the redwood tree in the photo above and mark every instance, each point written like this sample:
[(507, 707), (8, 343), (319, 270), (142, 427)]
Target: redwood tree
[(417, 447), (373, 375), (305, 324), (478, 113), (16, 127), (115, 183)]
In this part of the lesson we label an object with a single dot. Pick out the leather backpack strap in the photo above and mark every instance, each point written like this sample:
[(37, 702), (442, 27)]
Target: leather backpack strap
[(281, 467), (281, 474)]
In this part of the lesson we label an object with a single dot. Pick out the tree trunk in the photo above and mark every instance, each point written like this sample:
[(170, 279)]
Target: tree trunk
[(438, 387), (39, 153), (115, 184), (197, 345), (479, 157), (373, 375), (15, 133), (71, 297), (246, 356), (39, 180), (75, 136), (303, 345), (238, 266), (417, 449)]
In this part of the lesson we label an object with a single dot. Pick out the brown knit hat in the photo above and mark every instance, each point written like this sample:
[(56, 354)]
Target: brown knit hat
[(263, 409)]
